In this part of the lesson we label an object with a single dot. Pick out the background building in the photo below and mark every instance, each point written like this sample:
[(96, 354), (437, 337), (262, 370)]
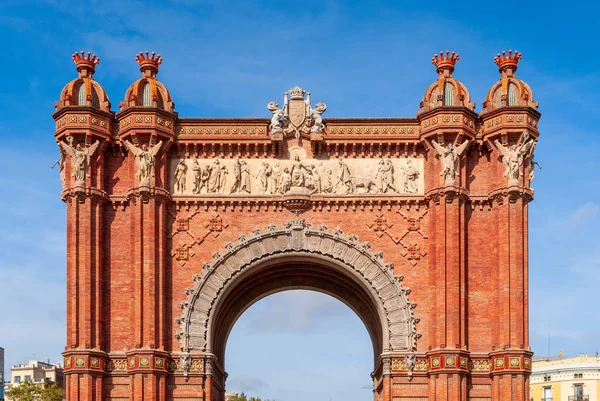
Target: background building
[(1, 374), (35, 371), (572, 379)]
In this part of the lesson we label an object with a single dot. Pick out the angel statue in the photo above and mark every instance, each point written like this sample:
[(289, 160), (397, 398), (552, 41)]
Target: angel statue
[(61, 163), (316, 118), (449, 157), (512, 158), (144, 159), (80, 158), (278, 118)]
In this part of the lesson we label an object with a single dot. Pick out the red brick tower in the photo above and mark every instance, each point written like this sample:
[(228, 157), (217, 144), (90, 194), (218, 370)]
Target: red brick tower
[(176, 225), (84, 129)]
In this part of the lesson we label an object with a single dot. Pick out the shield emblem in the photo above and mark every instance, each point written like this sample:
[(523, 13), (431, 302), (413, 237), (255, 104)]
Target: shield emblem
[(297, 112)]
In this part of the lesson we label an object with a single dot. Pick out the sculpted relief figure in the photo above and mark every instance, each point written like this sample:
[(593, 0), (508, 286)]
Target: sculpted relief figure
[(411, 175), (144, 159), (80, 158), (315, 180), (275, 178), (449, 158), (316, 118), (197, 176), (244, 177), (297, 172), (214, 177), (278, 119), (345, 179), (237, 176), (385, 176), (180, 176), (264, 172), (223, 179), (327, 183), (286, 181), (512, 158)]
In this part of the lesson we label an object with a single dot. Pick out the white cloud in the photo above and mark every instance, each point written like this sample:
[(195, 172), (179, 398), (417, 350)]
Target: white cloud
[(587, 211), (251, 385), (293, 311)]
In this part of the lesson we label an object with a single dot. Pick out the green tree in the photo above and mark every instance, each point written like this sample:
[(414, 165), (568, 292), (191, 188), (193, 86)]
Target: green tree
[(51, 392), (30, 391), (26, 391), (244, 397)]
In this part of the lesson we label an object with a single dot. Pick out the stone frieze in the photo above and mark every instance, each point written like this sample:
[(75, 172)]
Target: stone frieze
[(249, 177)]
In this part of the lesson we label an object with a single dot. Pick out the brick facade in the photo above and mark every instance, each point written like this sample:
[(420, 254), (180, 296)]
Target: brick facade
[(138, 253)]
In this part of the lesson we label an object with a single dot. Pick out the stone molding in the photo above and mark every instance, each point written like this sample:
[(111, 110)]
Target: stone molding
[(299, 238)]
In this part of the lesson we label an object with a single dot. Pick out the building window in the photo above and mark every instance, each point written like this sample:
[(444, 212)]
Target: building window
[(512, 95), (547, 394), (578, 376), (448, 96), (17, 379), (81, 95), (147, 95), (547, 378), (578, 392), (95, 100), (27, 378)]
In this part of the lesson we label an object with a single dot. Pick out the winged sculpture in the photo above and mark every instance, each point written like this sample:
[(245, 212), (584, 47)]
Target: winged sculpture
[(80, 158), (144, 160), (512, 158), (450, 157)]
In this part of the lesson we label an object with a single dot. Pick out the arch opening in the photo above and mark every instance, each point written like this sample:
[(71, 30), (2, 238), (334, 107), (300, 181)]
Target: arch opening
[(293, 272), (294, 337)]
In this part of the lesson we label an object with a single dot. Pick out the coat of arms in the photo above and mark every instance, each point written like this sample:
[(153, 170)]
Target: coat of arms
[(297, 116)]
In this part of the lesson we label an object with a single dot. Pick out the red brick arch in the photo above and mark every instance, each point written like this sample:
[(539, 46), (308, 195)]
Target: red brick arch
[(297, 256)]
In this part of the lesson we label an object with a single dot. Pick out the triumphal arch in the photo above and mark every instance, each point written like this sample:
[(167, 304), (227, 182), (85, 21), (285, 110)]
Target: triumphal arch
[(175, 226)]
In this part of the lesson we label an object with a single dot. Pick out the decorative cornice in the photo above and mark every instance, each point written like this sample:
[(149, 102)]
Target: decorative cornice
[(320, 203)]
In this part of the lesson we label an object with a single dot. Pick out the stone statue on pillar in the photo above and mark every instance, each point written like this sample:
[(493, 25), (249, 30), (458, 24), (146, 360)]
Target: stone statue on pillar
[(316, 118), (80, 158), (144, 159), (512, 158), (278, 118), (450, 158)]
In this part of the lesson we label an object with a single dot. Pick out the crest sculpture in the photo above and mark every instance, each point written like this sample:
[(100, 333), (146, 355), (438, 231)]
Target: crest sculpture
[(175, 226), (297, 116)]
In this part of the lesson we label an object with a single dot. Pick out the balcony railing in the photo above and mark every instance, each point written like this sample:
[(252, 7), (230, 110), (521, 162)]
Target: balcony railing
[(579, 398)]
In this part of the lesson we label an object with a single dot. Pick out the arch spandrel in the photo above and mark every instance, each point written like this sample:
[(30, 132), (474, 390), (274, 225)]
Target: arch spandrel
[(297, 238)]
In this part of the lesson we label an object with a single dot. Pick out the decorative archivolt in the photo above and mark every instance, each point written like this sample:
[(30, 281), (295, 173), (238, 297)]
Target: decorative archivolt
[(299, 238)]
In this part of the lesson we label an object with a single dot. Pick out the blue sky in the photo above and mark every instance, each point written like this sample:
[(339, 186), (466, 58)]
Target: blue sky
[(363, 59)]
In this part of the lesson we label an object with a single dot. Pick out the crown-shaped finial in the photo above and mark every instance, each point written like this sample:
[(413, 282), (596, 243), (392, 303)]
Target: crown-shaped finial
[(148, 61), (509, 60), (86, 63), (297, 93), (444, 61)]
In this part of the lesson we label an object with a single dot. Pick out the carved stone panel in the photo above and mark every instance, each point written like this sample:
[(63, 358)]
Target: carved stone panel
[(271, 177)]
